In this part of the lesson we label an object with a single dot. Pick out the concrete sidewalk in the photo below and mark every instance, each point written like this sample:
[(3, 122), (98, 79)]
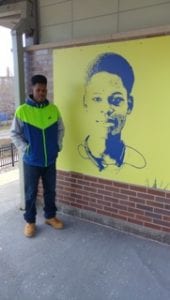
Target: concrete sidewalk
[(9, 176), (85, 261)]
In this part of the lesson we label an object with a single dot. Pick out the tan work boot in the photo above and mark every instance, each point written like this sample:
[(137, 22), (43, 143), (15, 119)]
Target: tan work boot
[(29, 229), (55, 223)]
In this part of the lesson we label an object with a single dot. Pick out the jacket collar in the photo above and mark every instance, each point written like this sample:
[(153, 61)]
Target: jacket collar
[(30, 101)]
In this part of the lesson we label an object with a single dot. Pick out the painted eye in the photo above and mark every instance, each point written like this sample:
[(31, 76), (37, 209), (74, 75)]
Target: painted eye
[(115, 101), (97, 99)]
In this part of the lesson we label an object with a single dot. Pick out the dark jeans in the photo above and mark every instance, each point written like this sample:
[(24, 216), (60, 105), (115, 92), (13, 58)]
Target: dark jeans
[(32, 175)]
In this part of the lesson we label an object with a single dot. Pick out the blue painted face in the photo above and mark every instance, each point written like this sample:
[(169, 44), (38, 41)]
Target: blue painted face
[(107, 101)]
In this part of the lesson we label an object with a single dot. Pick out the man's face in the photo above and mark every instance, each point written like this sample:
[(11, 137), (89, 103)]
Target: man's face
[(39, 92), (107, 101)]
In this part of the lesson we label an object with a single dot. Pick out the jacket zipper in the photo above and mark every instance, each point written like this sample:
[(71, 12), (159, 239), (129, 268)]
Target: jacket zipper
[(45, 151)]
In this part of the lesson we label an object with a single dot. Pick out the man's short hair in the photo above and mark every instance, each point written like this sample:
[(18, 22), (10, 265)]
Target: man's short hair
[(38, 79), (114, 64)]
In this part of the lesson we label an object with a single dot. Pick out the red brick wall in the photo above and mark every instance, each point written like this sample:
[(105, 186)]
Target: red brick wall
[(136, 209), (134, 204)]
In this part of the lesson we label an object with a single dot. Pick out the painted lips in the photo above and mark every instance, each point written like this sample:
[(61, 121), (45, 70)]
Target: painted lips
[(116, 122)]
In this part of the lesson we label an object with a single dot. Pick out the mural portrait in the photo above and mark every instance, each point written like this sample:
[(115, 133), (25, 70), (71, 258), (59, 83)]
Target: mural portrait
[(108, 100), (114, 99)]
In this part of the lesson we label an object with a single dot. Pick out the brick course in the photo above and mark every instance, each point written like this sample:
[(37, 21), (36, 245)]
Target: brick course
[(76, 189)]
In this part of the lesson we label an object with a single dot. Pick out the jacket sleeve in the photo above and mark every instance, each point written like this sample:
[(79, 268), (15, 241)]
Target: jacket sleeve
[(61, 131), (17, 136)]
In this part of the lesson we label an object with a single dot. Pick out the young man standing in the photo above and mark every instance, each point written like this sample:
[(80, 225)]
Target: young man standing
[(38, 131)]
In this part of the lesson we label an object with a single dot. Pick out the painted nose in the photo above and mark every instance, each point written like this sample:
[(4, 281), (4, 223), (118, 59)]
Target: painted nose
[(110, 111)]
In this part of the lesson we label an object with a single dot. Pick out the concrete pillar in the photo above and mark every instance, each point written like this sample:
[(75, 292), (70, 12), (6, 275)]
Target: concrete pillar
[(19, 94)]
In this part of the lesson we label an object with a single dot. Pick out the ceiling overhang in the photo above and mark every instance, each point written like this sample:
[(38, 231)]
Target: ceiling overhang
[(18, 16)]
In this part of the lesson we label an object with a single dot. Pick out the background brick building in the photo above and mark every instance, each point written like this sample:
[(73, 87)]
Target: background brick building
[(7, 98)]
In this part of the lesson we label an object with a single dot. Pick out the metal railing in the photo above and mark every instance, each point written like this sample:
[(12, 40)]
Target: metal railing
[(8, 155)]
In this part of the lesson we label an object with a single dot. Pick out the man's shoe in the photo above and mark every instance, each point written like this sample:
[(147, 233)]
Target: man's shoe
[(29, 230), (55, 223)]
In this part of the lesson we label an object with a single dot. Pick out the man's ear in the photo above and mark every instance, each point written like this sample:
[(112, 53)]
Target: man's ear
[(130, 104)]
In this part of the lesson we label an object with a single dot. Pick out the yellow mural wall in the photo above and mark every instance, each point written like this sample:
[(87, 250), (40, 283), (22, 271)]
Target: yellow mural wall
[(145, 129)]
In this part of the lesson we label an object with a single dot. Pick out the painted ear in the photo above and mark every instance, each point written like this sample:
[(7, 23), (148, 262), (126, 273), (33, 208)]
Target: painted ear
[(84, 102), (130, 104)]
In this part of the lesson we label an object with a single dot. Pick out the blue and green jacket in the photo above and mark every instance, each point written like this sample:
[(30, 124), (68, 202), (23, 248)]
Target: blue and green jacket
[(38, 130)]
